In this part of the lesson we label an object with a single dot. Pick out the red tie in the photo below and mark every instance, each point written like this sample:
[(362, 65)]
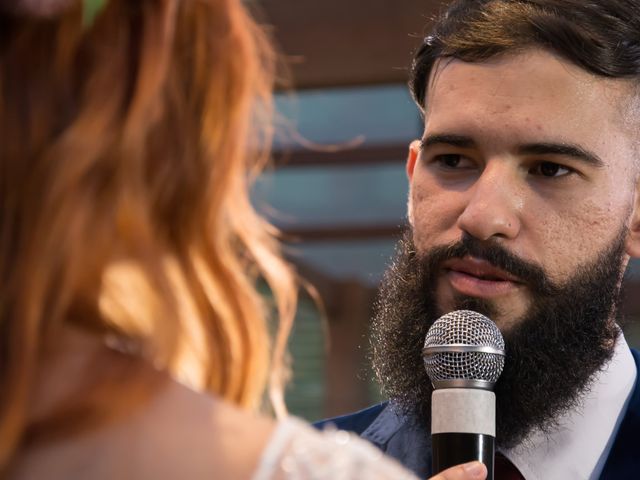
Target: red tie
[(505, 470)]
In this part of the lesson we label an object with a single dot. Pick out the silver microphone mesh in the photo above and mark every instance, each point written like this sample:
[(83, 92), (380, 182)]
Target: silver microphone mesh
[(463, 349)]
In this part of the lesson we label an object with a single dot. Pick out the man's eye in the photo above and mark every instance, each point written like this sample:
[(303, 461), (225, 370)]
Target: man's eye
[(449, 160), (550, 169)]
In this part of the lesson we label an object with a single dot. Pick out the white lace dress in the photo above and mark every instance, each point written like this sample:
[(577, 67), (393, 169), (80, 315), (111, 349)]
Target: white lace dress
[(296, 451)]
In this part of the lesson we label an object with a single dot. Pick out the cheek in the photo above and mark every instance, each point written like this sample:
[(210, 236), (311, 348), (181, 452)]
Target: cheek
[(576, 235), (432, 215)]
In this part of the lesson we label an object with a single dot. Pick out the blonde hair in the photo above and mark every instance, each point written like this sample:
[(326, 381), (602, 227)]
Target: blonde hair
[(128, 148)]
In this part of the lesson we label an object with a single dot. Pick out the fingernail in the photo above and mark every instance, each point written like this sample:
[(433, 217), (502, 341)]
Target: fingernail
[(475, 469)]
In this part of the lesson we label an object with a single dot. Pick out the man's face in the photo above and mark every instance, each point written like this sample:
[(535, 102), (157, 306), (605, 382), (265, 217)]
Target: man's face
[(528, 152), (522, 207)]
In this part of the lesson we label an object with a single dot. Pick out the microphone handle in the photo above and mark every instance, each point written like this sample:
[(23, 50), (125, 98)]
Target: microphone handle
[(450, 449), (463, 427)]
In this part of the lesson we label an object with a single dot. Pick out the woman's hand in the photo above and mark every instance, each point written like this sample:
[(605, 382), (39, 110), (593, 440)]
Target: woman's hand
[(467, 471)]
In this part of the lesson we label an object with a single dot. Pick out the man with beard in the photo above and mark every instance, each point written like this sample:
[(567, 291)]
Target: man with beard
[(524, 205)]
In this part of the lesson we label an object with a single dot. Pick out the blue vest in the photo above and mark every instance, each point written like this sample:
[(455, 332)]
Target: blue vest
[(410, 443)]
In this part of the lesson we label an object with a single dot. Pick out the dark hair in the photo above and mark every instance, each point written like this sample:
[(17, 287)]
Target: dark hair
[(602, 37)]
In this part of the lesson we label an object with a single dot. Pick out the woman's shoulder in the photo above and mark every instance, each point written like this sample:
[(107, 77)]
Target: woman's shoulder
[(245, 445), (298, 451), (204, 434), (196, 435), (181, 433), (178, 433)]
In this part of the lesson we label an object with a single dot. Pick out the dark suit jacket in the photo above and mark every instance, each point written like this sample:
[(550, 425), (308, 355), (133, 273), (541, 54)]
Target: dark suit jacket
[(410, 443)]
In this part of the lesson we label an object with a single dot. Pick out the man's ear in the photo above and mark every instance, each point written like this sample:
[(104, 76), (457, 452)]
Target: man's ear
[(632, 246), (412, 158), (414, 151)]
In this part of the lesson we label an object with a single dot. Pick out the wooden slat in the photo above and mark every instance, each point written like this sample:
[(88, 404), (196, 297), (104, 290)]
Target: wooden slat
[(368, 155), (348, 42), (341, 233)]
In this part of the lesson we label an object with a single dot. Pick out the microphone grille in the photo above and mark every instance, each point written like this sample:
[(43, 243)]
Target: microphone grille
[(463, 349)]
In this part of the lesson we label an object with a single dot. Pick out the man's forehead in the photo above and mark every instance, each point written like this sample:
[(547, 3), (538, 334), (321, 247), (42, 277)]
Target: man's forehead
[(555, 95), (525, 68)]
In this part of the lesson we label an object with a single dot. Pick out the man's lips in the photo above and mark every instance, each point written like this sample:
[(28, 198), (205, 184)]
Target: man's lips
[(478, 278)]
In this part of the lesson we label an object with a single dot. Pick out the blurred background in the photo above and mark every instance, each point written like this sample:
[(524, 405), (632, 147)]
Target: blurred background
[(338, 188)]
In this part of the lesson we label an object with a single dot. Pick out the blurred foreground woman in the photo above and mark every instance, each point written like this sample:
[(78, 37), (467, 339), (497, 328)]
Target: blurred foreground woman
[(133, 342)]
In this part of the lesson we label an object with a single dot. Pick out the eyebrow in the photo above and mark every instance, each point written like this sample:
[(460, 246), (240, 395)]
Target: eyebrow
[(564, 149), (448, 139), (543, 148)]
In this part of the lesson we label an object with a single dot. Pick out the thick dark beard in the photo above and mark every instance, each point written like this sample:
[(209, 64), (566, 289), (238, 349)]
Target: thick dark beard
[(552, 353)]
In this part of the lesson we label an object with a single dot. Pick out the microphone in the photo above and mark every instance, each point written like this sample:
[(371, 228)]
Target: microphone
[(464, 356)]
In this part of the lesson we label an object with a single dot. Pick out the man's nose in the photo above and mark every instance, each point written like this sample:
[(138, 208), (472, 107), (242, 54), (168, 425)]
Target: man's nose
[(493, 206)]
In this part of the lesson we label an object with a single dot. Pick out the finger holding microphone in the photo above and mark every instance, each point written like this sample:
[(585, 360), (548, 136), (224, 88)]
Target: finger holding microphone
[(467, 471), (463, 356)]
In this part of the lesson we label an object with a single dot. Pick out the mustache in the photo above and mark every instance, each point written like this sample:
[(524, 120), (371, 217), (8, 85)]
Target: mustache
[(528, 272)]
